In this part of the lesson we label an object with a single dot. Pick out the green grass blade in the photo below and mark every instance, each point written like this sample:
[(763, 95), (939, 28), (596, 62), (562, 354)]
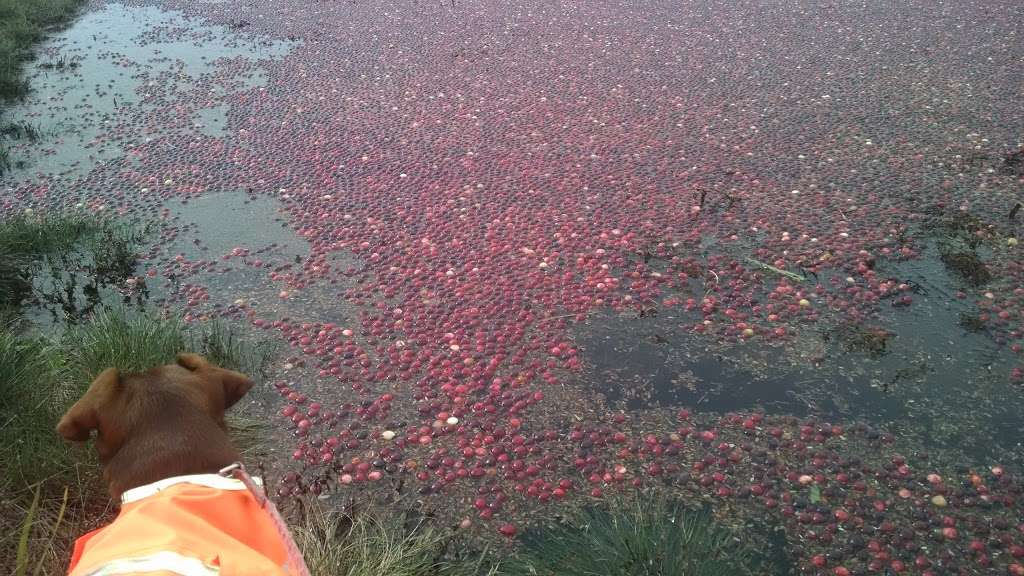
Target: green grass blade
[(54, 531), (21, 561), (641, 536)]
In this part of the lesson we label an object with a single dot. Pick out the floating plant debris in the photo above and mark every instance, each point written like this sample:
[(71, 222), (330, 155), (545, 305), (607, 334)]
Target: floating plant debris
[(524, 256), (870, 340), (1013, 163), (967, 264)]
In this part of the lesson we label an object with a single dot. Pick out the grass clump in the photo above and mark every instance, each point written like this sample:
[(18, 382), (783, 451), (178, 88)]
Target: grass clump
[(15, 131), (31, 235), (225, 347), (22, 24), (138, 341), (638, 536), (365, 543), (128, 342), (359, 545), (21, 131), (67, 263), (43, 480), (29, 382)]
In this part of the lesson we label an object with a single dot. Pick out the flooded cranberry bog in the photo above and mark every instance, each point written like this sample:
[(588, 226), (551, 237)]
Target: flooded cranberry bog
[(525, 256)]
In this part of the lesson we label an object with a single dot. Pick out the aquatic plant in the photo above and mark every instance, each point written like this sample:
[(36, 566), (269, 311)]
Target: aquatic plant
[(965, 262), (635, 536), (61, 63), (1013, 163), (869, 340), (20, 131)]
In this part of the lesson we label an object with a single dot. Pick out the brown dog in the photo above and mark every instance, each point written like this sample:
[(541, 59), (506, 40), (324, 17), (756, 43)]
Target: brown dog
[(167, 421)]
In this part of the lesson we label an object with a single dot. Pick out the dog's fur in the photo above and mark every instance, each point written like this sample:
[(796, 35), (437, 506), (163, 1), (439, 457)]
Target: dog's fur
[(167, 421)]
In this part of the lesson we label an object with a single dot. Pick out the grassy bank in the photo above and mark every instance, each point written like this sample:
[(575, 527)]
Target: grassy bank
[(39, 378), (69, 265), (23, 23)]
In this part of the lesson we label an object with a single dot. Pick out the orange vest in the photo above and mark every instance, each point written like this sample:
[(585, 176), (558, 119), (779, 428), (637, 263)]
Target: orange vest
[(187, 525)]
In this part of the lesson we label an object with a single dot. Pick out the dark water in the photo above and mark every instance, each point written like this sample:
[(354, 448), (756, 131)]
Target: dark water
[(930, 377)]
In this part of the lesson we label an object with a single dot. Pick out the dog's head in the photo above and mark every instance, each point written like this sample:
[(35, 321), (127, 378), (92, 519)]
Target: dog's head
[(116, 403)]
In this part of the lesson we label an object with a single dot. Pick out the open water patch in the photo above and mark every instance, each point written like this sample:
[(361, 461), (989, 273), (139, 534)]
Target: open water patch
[(233, 253)]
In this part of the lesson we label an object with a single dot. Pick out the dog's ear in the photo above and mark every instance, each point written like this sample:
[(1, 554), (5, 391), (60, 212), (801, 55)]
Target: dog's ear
[(192, 361), (83, 417), (235, 385)]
